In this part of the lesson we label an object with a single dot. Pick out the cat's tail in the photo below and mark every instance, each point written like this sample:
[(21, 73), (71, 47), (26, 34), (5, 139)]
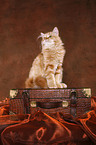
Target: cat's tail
[(29, 83), (38, 82)]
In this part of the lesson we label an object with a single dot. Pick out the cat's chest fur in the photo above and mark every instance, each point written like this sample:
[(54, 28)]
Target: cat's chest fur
[(53, 56)]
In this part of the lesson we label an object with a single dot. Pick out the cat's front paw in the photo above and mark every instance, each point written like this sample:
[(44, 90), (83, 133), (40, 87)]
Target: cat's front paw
[(64, 85), (53, 86), (61, 85)]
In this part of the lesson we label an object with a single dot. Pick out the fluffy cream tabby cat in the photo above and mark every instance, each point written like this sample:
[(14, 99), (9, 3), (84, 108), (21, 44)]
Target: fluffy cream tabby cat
[(46, 70)]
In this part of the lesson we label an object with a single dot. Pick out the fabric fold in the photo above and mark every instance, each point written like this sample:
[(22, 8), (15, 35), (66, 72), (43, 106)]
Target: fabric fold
[(41, 129)]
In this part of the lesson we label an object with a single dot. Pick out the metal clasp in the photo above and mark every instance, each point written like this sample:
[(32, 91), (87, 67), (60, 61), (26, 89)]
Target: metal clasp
[(65, 104), (33, 104)]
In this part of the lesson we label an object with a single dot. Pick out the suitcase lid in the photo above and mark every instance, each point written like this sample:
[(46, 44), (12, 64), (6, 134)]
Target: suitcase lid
[(51, 93)]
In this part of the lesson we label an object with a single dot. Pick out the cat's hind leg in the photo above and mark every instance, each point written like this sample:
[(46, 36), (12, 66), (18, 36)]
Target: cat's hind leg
[(41, 82)]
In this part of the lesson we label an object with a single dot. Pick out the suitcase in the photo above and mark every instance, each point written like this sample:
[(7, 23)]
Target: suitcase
[(68, 101)]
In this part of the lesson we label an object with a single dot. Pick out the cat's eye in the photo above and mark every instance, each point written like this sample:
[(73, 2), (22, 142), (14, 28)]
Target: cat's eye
[(50, 36), (47, 37)]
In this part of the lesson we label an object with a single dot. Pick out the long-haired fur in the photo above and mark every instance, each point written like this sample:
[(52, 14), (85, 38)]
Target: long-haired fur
[(46, 70)]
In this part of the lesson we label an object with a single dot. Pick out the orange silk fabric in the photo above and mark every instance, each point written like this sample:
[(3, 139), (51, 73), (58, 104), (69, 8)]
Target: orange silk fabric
[(41, 129)]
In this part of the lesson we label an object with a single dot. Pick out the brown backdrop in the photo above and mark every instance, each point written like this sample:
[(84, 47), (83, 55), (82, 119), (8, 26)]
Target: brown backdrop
[(21, 21)]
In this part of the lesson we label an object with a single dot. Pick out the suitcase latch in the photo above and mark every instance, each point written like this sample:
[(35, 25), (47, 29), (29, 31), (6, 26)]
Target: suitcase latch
[(33, 104), (65, 104)]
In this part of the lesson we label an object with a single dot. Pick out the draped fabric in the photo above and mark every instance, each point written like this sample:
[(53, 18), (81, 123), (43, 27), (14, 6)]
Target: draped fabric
[(41, 129)]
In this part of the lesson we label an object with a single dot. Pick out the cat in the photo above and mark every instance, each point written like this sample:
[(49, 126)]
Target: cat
[(46, 70)]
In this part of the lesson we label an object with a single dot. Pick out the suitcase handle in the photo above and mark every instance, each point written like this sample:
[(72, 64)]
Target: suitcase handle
[(49, 105)]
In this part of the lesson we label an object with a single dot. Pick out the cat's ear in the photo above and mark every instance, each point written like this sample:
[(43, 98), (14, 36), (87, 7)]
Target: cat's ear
[(56, 31), (42, 34)]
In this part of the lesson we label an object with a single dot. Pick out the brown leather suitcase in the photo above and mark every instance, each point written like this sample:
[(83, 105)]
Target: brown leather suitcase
[(68, 101)]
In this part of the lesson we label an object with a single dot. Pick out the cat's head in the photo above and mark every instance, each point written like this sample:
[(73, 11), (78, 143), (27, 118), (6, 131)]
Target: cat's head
[(51, 39)]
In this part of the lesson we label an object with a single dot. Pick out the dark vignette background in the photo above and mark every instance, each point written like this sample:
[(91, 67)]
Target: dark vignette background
[(21, 21)]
